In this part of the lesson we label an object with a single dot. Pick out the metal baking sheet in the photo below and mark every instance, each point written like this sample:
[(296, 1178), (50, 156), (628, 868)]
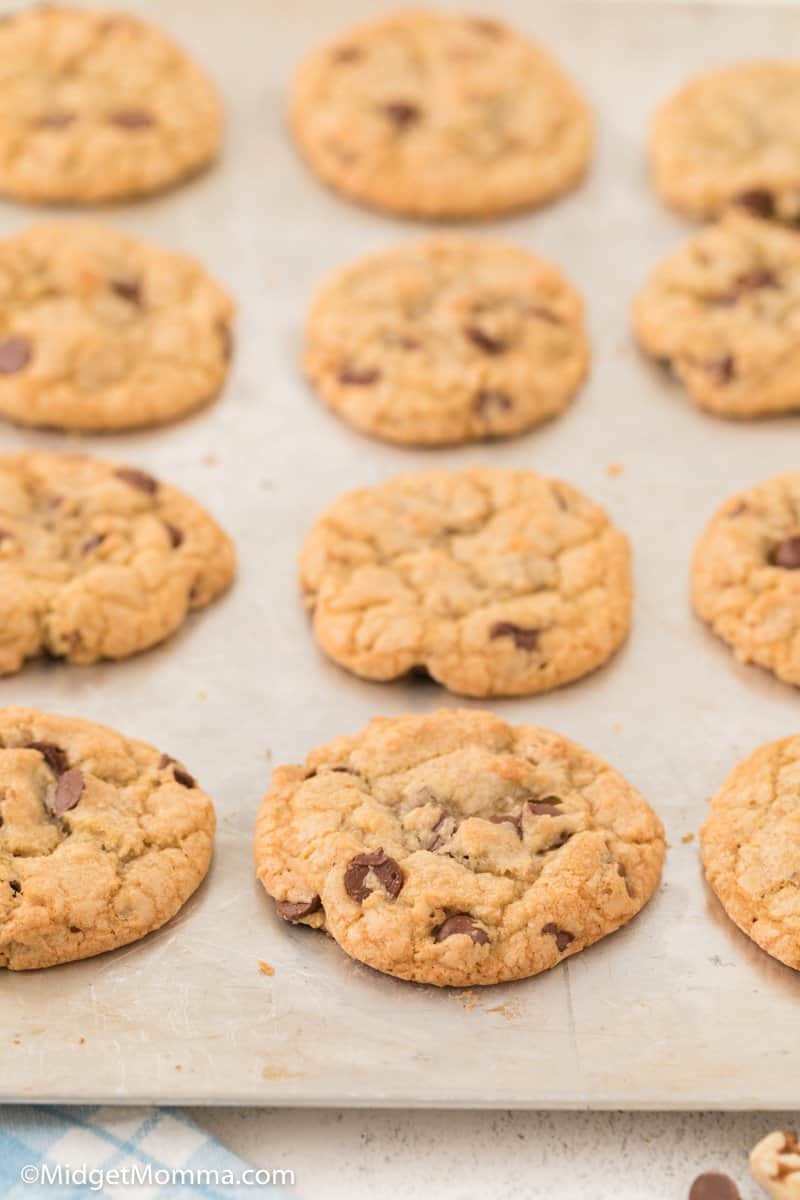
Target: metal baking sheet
[(679, 1010)]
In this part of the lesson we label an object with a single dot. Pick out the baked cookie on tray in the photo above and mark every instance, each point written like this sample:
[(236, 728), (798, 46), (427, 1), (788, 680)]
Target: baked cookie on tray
[(455, 849), (724, 313), (449, 340), (746, 575), (98, 106), (102, 839), (495, 582), (775, 1164), (101, 331), (99, 560), (731, 136), (751, 848), (436, 115)]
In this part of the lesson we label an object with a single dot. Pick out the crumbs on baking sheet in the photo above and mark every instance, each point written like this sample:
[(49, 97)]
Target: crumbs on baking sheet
[(687, 837), (265, 968), (469, 1001)]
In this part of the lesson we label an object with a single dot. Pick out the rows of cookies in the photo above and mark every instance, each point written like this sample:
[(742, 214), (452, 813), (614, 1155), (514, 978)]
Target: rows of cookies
[(451, 848)]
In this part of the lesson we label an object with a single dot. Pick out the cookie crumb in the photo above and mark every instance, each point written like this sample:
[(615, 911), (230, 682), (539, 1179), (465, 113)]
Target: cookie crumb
[(265, 968), (614, 469), (687, 837)]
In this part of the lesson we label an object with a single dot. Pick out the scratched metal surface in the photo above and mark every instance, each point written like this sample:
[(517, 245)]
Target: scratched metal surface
[(678, 1010)]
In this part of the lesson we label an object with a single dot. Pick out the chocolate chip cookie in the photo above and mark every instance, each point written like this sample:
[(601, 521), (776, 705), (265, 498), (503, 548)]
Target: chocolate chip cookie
[(495, 582), (102, 839), (751, 848), (724, 313), (100, 331), (438, 115), (98, 560), (746, 575), (455, 849), (98, 106), (731, 136), (775, 1163), (447, 341)]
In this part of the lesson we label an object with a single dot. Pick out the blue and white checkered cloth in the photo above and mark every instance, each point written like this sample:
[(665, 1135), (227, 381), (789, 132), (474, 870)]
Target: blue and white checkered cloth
[(166, 1155)]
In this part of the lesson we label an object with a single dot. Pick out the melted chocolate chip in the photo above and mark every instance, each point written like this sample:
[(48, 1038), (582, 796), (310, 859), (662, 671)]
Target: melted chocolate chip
[(15, 885), (128, 289), (484, 341), (360, 377), (137, 479), (750, 281), (55, 120), (347, 54), (487, 399), (15, 354), (92, 543), (757, 201), (384, 868), (524, 639), (183, 778), (548, 807), (295, 910), (508, 820), (401, 113), (563, 938), (69, 790), (722, 369), (461, 923), (165, 761), (786, 554), (132, 118), (52, 754), (713, 1186), (226, 337), (175, 535)]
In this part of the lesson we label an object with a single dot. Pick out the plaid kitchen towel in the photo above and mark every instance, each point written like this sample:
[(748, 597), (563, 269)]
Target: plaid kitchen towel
[(122, 1154)]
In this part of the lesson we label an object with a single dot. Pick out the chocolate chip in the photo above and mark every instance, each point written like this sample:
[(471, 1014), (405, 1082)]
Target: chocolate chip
[(360, 377), (92, 543), (295, 910), (132, 118), (384, 868), (69, 790), (713, 1186), (461, 923), (545, 808), (175, 535), (226, 337), (786, 554), (15, 354), (524, 639), (137, 479), (165, 761), (723, 369), (128, 289), (563, 938), (55, 120), (488, 399), (484, 341), (750, 281), (401, 113), (345, 770), (183, 778), (508, 820), (345, 54), (52, 754), (15, 885), (5, 534), (757, 201)]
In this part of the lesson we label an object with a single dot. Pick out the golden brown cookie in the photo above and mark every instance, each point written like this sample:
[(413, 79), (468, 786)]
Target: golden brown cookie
[(99, 560), (102, 839), (496, 582), (446, 341), (431, 114), (455, 849), (101, 331), (98, 106), (751, 848)]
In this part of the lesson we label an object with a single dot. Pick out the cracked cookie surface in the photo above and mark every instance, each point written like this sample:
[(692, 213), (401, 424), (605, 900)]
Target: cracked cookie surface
[(731, 136), (102, 839), (435, 115), (751, 848), (98, 560), (455, 849), (724, 313), (775, 1163), (496, 582), (446, 341), (101, 331), (98, 106), (745, 576)]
